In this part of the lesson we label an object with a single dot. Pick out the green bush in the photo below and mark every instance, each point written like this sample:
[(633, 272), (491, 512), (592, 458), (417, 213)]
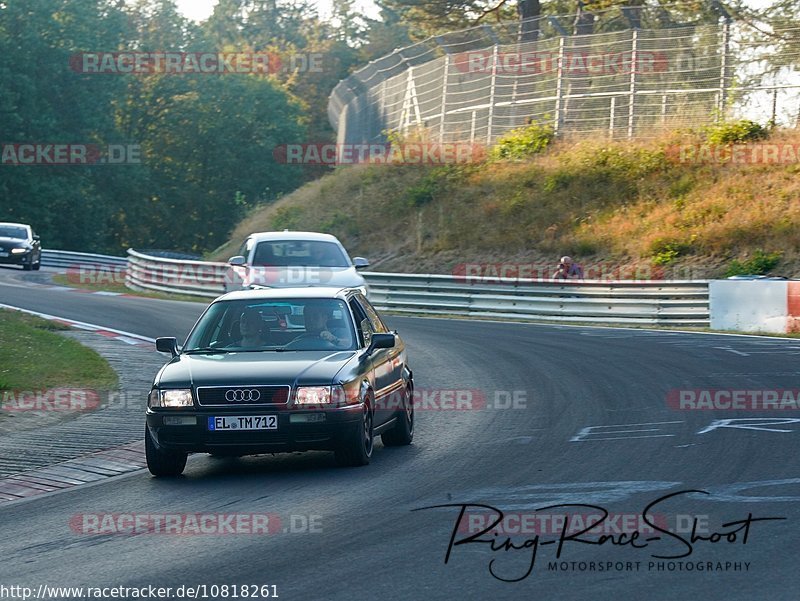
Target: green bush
[(761, 263), (523, 142), (664, 252), (732, 132), (435, 182), (287, 218)]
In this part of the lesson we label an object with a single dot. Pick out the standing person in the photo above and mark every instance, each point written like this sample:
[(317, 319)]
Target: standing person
[(568, 270)]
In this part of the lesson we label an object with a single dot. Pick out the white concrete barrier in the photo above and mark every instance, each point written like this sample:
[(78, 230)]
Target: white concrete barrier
[(755, 305)]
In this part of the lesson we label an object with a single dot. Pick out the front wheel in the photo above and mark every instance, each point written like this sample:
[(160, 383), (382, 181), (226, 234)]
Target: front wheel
[(357, 449), (161, 462), (403, 432)]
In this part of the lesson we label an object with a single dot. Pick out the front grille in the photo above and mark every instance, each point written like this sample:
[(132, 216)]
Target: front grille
[(242, 396)]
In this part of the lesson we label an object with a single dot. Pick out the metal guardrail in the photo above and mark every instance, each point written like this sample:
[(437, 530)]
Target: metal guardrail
[(194, 278), (67, 259), (652, 302)]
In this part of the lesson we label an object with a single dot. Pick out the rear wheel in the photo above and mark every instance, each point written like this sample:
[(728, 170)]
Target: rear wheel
[(161, 462), (403, 432), (357, 450)]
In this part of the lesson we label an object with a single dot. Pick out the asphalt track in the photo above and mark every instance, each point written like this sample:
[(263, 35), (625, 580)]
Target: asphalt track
[(591, 425)]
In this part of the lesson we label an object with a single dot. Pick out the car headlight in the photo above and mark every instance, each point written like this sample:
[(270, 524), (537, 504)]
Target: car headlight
[(331, 396), (19, 251), (171, 398), (314, 395)]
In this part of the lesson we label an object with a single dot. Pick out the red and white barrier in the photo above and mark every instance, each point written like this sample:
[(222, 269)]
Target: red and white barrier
[(755, 305)]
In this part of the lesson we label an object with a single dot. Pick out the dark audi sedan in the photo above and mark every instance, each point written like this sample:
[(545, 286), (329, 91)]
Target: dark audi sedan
[(19, 245), (275, 370)]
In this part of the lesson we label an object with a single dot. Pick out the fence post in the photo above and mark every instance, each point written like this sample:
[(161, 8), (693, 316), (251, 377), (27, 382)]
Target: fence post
[(632, 92), (774, 119), (492, 88), (472, 129), (410, 103), (723, 74), (612, 117), (559, 85), (663, 110), (444, 97)]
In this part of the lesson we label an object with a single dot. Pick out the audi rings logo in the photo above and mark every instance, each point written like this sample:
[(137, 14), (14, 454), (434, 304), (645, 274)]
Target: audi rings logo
[(242, 395)]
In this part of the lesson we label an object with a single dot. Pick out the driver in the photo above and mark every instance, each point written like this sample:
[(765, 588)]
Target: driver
[(316, 320), (251, 327)]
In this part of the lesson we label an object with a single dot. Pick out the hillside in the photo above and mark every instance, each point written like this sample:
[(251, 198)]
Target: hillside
[(608, 204)]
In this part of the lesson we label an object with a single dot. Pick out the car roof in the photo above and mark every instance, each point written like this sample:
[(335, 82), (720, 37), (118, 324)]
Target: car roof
[(288, 235), (14, 224), (311, 292)]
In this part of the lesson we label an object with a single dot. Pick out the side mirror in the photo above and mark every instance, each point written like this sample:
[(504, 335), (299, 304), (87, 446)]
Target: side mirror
[(237, 261), (167, 345), (381, 341), (360, 262), (36, 237)]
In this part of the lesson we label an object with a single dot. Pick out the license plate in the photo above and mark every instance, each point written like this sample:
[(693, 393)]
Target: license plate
[(3, 254), (243, 422)]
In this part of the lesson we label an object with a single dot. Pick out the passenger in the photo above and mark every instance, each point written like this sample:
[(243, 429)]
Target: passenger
[(252, 329)]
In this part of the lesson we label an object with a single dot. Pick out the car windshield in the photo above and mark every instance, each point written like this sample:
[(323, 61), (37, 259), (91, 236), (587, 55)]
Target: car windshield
[(273, 325), (13, 231), (299, 253)]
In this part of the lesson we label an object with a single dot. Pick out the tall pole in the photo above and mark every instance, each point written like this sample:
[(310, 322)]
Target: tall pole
[(492, 90), (632, 91)]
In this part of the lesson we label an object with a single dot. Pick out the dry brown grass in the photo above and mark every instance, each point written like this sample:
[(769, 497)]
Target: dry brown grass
[(611, 202)]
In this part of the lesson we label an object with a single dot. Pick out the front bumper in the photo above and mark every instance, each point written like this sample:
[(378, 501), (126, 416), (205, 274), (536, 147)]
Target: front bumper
[(18, 259), (291, 435)]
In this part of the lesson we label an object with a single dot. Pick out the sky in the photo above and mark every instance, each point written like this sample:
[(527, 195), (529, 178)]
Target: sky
[(198, 10)]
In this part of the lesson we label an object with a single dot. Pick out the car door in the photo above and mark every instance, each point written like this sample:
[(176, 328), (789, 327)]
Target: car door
[(364, 332), (387, 365)]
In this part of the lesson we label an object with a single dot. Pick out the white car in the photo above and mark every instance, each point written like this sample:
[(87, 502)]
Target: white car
[(287, 259)]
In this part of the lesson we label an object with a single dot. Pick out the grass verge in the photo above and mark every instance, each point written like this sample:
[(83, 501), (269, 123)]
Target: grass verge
[(34, 357)]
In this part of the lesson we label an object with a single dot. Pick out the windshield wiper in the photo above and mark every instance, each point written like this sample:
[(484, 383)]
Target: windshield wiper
[(207, 349)]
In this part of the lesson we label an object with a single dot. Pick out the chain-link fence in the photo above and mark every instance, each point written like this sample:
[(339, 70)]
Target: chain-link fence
[(478, 83)]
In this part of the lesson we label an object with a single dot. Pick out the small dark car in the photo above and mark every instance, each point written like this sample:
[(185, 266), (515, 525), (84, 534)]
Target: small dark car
[(19, 245), (279, 370)]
